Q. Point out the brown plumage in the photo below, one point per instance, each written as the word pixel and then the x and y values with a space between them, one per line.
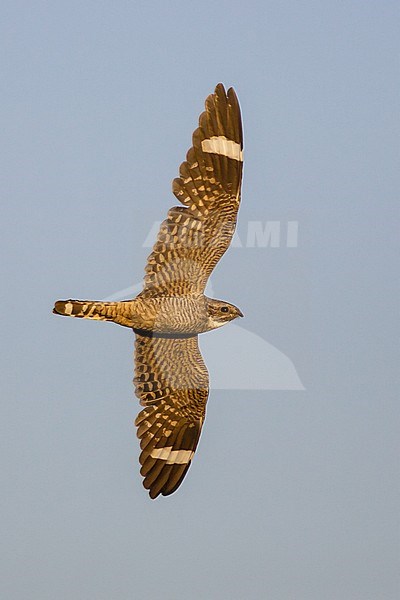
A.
pixel 171 380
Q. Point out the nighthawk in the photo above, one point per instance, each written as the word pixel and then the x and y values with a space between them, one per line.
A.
pixel 171 379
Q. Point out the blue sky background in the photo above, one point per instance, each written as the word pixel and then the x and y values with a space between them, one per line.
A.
pixel 293 495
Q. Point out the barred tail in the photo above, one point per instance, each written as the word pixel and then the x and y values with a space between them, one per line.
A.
pixel 86 309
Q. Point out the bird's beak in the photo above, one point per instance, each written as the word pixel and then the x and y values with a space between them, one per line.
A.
pixel 240 314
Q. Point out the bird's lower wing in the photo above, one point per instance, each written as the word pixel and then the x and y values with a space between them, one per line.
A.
pixel 171 381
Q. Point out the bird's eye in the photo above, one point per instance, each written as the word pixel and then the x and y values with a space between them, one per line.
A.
pixel 224 309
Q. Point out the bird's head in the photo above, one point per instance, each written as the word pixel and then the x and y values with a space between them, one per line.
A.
pixel 220 312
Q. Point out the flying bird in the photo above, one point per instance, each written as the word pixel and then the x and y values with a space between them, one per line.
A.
pixel 171 379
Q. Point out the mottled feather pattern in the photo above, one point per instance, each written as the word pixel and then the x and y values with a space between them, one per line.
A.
pixel 86 309
pixel 193 238
pixel 171 382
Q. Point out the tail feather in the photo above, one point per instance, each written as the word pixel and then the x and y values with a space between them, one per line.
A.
pixel 86 309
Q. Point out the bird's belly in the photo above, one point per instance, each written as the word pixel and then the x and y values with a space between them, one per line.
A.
pixel 176 314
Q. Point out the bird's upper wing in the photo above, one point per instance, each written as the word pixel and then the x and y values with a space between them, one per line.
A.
pixel 171 381
pixel 193 238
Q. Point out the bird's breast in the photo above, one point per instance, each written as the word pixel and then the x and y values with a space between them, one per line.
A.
pixel 170 314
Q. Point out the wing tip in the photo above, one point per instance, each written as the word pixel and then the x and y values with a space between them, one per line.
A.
pixel 226 104
pixel 166 458
pixel 170 486
pixel 229 94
